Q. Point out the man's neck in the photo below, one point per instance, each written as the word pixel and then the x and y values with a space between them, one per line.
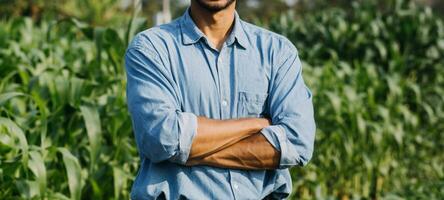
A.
pixel 215 25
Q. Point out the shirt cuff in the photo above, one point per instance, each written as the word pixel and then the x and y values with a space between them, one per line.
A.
pixel 187 131
pixel 275 134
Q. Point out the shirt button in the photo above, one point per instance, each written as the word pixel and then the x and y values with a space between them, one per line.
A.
pixel 224 103
pixel 235 186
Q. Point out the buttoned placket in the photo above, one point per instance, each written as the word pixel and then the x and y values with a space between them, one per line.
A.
pixel 223 68
pixel 235 182
pixel 222 64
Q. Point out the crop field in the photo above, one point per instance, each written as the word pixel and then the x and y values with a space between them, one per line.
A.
pixel 377 76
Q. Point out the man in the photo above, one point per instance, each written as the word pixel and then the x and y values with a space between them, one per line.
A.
pixel 219 108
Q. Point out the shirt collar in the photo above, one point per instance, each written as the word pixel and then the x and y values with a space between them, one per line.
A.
pixel 191 33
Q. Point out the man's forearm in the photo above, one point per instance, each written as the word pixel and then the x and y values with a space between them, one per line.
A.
pixel 214 135
pixel 253 152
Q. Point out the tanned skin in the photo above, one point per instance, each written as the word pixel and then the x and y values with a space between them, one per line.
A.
pixel 233 143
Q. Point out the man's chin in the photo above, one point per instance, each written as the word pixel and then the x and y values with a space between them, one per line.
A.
pixel 214 6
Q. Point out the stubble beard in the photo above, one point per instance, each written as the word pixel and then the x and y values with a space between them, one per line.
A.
pixel 214 8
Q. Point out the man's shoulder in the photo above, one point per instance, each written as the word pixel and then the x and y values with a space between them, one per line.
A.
pixel 156 36
pixel 270 42
pixel 274 39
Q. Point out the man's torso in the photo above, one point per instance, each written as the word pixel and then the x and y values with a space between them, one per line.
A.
pixel 232 83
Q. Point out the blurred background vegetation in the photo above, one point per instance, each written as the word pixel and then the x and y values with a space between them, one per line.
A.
pixel 376 69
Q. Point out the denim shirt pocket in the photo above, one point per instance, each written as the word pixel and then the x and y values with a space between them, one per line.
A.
pixel 252 104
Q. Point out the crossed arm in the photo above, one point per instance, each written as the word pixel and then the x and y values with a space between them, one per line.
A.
pixel 235 143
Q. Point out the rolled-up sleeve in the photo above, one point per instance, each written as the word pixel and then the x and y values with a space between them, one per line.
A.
pixel 162 130
pixel 291 110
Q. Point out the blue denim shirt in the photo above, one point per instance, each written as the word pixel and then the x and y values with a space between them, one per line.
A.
pixel 175 74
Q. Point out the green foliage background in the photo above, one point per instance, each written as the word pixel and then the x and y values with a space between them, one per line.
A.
pixel 377 74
